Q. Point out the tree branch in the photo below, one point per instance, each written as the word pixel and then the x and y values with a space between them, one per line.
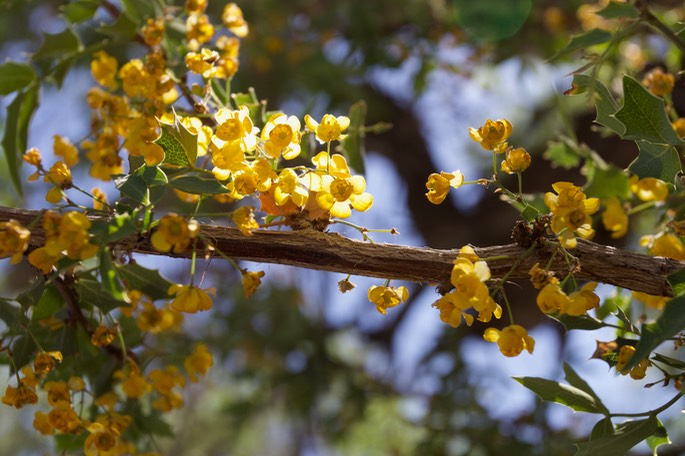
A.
pixel 332 252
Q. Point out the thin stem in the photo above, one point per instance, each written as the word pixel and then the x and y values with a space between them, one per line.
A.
pixel 655 22
pixel 654 412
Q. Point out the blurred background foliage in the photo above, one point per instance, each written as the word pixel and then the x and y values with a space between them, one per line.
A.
pixel 290 377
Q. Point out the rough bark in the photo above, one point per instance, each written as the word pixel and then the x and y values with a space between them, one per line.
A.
pixel 333 252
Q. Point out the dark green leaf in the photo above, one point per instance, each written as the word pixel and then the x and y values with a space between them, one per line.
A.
pixel 611 303
pixel 70 443
pixel 50 302
pixel 625 319
pixel 644 115
pixel 14 142
pixel 567 395
pixel 108 275
pixel 23 350
pixel 139 10
pixel 92 294
pixel 670 322
pixel 57 45
pixel 493 20
pixel 9 313
pixel 584 40
pixel 30 296
pixel 80 10
pixel 133 186
pixel 625 437
pixel 152 175
pixel 574 380
pixel 667 360
pixel 198 185
pixel 179 144
pixel 660 161
pixel 149 281
pixel 677 281
pixel 607 182
pixel 15 76
pixel 562 153
pixel 530 213
pixel 123 27
pixel 353 145
pixel 604 102
pixel 660 437
pixel 618 10
pixel 583 322
pixel 118 227
pixel 603 428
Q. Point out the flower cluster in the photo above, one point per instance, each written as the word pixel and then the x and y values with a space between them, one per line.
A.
pixel 571 210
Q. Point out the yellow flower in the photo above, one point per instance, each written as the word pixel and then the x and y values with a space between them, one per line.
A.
pixel 387 297
pixel 164 380
pixel 42 424
pixel 57 392
pixel 289 188
pixel 198 362
pixel 237 126
pixel 202 63
pixel 251 281
pixel 45 361
pixel 552 299
pixel 512 340
pixel 679 126
pixel 614 217
pixel 624 356
pixel 329 129
pixel 14 240
pixel 60 176
pixel 438 185
pixel 516 161
pixel 666 245
pixel 101 440
pixel 153 31
pixel 452 310
pixel 540 277
pixel 76 383
pixel 571 211
pixel 339 195
pixel 658 82
pixel 133 384
pixel 195 6
pixel 155 321
pixel 198 30
pixel 33 157
pixel 103 336
pixel 20 396
pixel 65 149
pixel 174 232
pixel 99 198
pixel 63 418
pixel 334 165
pixel 282 136
pixel 243 217
pixel 191 299
pixel 232 17
pixel 104 69
pixel 649 188
pixel 492 135
pixel 655 302
pixel 582 300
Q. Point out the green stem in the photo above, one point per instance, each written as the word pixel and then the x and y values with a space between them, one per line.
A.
pixel 642 207
pixel 654 412
pixel 655 22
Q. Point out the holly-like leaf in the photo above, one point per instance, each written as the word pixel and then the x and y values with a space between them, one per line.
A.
pixel 644 115
pixel 660 161
pixel 57 45
pixel 198 185
pixel 353 145
pixel 570 396
pixel 584 40
pixel 625 436
pixel 576 381
pixel 92 293
pixel 179 144
pixel 133 186
pixel 80 10
pixel 605 103
pixel 672 362
pixel 124 27
pixel 660 437
pixel 149 281
pixel 670 322
pixel 15 76
pixel 618 10
pixel 15 139
pixel 582 322
pixel 602 428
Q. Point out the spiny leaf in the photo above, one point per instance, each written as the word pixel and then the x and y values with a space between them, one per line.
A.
pixel 179 144
pixel 660 437
pixel 625 437
pixel 644 115
pixel 584 40
pixel 57 45
pixel 80 10
pixel 14 142
pixel 92 293
pixel 15 76
pixel 198 185
pixel 604 102
pixel 567 395
pixel 149 281
pixel 660 161
pixel 576 381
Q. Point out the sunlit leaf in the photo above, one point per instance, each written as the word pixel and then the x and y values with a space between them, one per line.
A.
pixel 15 76
pixel 198 185
pixel 179 144
pixel 570 396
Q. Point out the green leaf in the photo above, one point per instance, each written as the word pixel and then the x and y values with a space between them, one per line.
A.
pixel 256 107
pixel 30 296
pixel 660 161
pixel 179 144
pixel 672 362
pixel 584 40
pixel 644 115
pixel 15 76
pixel 677 281
pixel 660 437
pixel 15 140
pixel 92 293
pixel 118 227
pixel 50 302
pixel 139 10
pixel 625 437
pixel 562 153
pixel 570 396
pixel 133 186
pixel 602 428
pixel 70 443
pixel 576 381
pixel 108 276
pixel 80 10
pixel 9 313
pixel 23 350
pixel 582 322
pixel 152 175
pixel 618 10
pixel 353 145
pixel 607 181
pixel 198 185
pixel 623 318
pixel 605 104
pixel 149 281
pixel 670 322
pixel 493 20
pixel 530 213
pixel 123 27
pixel 57 45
